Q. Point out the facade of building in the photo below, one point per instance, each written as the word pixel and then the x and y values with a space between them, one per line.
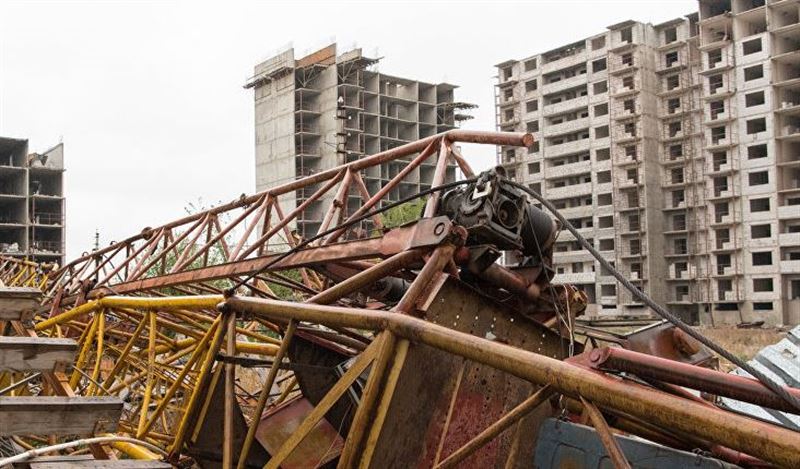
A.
pixel 675 148
pixel 31 202
pixel 326 109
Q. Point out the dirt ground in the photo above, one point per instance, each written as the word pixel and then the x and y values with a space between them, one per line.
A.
pixel 744 343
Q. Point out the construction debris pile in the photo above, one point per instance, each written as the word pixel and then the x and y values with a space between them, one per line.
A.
pixel 224 339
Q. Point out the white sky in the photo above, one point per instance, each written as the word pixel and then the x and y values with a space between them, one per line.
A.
pixel 148 100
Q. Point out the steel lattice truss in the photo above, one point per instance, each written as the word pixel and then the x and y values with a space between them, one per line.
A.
pixel 381 346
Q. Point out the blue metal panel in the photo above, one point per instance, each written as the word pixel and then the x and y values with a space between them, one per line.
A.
pixel 569 445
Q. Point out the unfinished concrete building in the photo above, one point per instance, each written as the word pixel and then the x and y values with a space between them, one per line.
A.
pixel 327 109
pixel 674 147
pixel 31 202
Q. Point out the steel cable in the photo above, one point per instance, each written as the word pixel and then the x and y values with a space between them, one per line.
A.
pixel 660 310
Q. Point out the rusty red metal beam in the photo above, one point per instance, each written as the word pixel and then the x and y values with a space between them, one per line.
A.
pixel 694 377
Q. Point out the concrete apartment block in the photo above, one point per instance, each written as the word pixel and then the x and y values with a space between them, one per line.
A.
pixel 675 148
pixel 328 109
pixel 31 202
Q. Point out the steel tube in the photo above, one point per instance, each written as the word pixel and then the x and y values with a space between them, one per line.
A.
pixel 606 436
pixel 768 442
pixel 694 377
pixel 367 277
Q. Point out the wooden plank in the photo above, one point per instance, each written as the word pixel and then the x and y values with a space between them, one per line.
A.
pixel 57 415
pixel 35 353
pixel 96 464
pixel 18 304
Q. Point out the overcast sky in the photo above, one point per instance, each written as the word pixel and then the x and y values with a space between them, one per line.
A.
pixel 148 100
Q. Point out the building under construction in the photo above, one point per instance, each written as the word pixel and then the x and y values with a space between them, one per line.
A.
pixel 330 108
pixel 31 202
pixel 674 148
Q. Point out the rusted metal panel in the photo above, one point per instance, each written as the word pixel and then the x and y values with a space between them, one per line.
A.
pixel 417 420
pixel 664 340
pixel 321 446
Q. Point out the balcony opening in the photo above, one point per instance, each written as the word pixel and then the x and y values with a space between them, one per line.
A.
pixel 721 210
pixel 715 82
pixel 676 176
pixel 718 159
pixel 633 176
pixel 714 57
pixel 675 151
pixel 629 106
pixel 712 9
pixel 723 237
pixel 670 59
pixel 678 197
pixel 598 43
pixel 631 153
pixel 630 129
pixel 628 83
pixel 679 222
pixel 633 199
pixel 718 134
pixel 680 246
pixel 673 105
pixel 674 128
pixel 716 108
pixel 626 35
pixel 633 223
pixel 720 185
pixel 670 35
pixel 673 81
pixel 627 60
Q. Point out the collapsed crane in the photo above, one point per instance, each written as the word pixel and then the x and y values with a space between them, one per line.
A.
pixel 224 339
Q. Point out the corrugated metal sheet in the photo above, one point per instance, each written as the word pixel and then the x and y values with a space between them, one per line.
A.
pixel 781 362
